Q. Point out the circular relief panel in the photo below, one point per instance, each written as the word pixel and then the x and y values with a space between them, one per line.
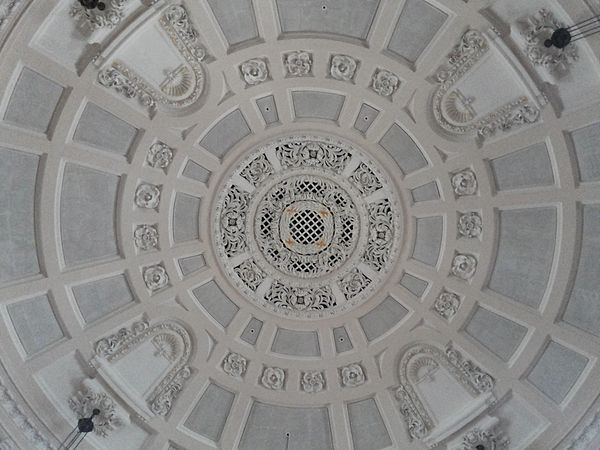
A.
pixel 307 226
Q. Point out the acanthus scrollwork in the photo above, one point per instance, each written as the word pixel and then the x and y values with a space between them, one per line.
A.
pixel 300 299
pixel 95 19
pixel 86 400
pixel 476 439
pixel 536 29
pixel 381 235
pixel 468 374
pixel 456 113
pixel 171 341
pixel 309 221
pixel 182 86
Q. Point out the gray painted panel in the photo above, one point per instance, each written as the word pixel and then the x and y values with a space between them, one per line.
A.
pixel 18 177
pixel 88 214
pixel 216 303
pixel 230 130
pixel 33 101
pixel 403 149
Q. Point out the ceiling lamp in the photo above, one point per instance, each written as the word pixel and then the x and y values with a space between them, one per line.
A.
pixel 84 425
pixel 563 36
pixel 93 4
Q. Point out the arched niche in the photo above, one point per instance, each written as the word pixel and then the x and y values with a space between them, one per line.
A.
pixel 161 63
pixel 480 63
pixel 440 392
pixel 162 349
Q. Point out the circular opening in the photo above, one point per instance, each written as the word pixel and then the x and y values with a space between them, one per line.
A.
pixel 324 8
pixel 267 109
pixel 252 330
pixel 366 118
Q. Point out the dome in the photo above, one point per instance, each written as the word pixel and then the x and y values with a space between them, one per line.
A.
pixel 302 225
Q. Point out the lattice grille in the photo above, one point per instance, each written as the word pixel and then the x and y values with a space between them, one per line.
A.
pixel 307 227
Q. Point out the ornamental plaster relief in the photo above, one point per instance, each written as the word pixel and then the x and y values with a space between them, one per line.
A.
pixel 458 112
pixel 169 81
pixel 166 348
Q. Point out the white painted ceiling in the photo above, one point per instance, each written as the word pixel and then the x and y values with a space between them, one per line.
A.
pixel 134 158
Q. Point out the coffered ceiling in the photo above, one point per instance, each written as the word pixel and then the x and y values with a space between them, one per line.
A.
pixel 277 224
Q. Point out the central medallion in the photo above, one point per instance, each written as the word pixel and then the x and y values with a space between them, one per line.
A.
pixel 307 226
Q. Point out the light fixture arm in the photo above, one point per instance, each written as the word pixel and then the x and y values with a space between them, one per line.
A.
pixel 77 435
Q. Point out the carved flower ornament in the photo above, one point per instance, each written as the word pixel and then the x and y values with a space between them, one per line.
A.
pixel 235 365
pixel 312 382
pixel 254 71
pixel 343 67
pixel 145 237
pixel 385 83
pixel 298 64
pixel 352 375
pixel 273 378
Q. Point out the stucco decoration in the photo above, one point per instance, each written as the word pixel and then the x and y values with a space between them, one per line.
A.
pixel 91 396
pixel 535 30
pixel 181 86
pixel 459 113
pixel 95 19
pixel 312 381
pixel 167 340
pixel 470 377
pixel 254 71
pixel 343 67
pixel 313 227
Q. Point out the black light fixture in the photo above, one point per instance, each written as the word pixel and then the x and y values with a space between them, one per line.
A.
pixel 564 36
pixel 93 4
pixel 77 435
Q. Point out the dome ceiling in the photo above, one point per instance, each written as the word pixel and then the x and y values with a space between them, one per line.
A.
pixel 277 224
